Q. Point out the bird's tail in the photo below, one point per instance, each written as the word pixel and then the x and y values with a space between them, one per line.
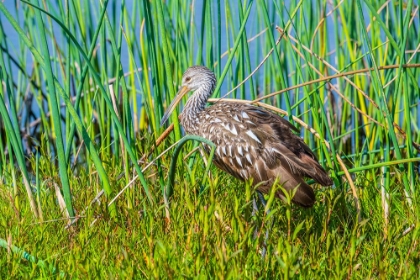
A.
pixel 319 174
pixel 303 194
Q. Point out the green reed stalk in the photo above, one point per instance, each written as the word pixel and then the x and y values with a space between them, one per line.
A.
pixel 207 28
pixel 109 106
pixel 125 116
pixel 6 79
pixel 233 50
pixel 379 89
pixel 13 138
pixel 403 86
pixel 272 44
pixel 76 119
pixel 167 67
pixel 172 169
pixel 83 77
pixel 56 116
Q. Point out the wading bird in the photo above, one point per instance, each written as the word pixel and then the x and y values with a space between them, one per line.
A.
pixel 251 143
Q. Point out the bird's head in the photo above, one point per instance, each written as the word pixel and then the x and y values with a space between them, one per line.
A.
pixel 197 77
pixel 194 79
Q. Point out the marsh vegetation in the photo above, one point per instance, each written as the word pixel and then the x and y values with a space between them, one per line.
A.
pixel 84 85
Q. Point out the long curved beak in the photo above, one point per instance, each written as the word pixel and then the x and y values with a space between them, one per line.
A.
pixel 184 90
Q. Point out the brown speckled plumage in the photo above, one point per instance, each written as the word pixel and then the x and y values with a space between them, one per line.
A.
pixel 252 143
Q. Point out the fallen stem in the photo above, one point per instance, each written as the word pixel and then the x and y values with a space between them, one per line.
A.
pixel 168 190
pixel 24 255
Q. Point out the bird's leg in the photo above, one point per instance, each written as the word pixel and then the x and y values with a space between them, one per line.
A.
pixel 264 203
pixel 262 199
pixel 254 211
pixel 255 205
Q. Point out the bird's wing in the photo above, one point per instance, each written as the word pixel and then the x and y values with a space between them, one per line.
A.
pixel 246 134
pixel 246 151
pixel 254 143
pixel 290 147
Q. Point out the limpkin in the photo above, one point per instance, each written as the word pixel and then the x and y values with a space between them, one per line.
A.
pixel 251 142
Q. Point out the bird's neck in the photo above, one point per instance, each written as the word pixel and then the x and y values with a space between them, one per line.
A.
pixel 194 106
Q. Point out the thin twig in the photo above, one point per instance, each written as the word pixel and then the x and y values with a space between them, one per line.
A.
pixel 339 75
pixel 256 68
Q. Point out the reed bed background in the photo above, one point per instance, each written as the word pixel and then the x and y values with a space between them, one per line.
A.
pixel 85 83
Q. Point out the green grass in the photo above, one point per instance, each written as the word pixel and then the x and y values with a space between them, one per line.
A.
pixel 211 234
pixel 84 88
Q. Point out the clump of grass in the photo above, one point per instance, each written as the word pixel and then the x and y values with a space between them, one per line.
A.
pixel 84 86
pixel 211 233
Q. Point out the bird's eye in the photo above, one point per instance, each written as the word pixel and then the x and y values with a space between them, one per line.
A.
pixel 187 79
